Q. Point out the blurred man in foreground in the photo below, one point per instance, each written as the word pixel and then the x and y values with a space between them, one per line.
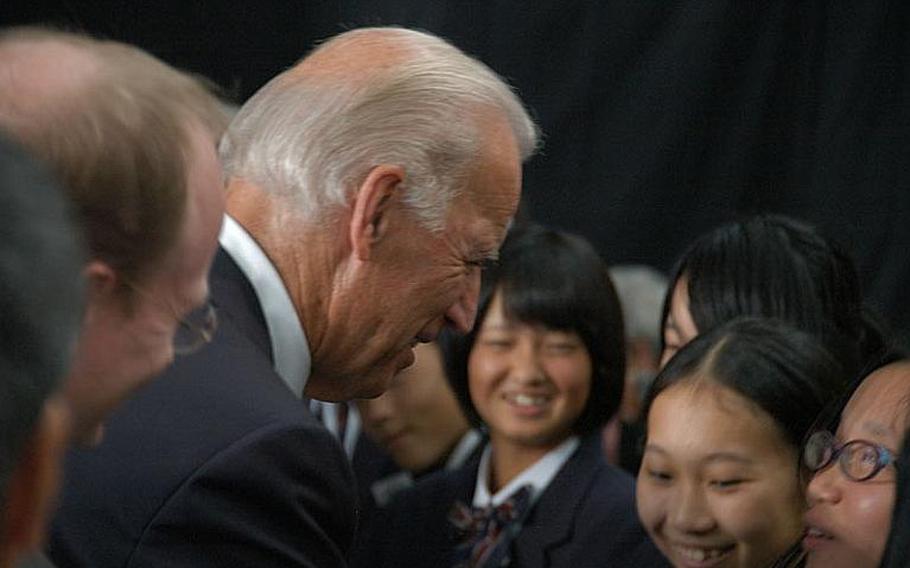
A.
pixel 133 142
pixel 40 307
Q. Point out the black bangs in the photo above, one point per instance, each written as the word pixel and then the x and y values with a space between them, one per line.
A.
pixel 786 372
pixel 549 288
pixel 778 267
pixel 555 280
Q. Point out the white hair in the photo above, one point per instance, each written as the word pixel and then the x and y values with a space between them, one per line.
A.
pixel 314 139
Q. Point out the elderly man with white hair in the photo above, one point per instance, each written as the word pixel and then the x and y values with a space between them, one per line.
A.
pixel 367 186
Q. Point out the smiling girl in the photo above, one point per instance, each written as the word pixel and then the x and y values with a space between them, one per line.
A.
pixel 541 372
pixel 854 464
pixel 719 485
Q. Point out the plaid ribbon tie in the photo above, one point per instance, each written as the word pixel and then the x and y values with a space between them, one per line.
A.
pixel 485 533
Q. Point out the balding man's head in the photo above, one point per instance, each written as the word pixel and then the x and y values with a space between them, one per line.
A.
pixel 367 97
pixel 47 73
pixel 113 122
pixel 133 142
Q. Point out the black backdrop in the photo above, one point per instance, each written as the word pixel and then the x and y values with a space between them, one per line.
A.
pixel 662 119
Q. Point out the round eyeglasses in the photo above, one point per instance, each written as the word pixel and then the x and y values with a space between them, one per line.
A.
pixel 859 460
pixel 195 329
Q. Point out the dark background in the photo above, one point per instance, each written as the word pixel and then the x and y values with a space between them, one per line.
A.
pixel 662 119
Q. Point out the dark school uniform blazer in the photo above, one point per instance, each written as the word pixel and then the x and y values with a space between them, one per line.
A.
pixel 214 464
pixel 586 517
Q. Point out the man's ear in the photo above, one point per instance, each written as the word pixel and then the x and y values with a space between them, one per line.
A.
pixel 100 279
pixel 101 286
pixel 31 493
pixel 374 197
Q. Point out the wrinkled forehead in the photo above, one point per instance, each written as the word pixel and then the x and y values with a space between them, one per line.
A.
pixel 481 221
pixel 881 404
pixel 494 189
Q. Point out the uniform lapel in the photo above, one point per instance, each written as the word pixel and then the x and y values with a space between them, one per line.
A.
pixel 551 521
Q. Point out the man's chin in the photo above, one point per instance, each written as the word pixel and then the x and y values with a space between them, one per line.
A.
pixel 370 382
pixel 339 389
pixel 374 386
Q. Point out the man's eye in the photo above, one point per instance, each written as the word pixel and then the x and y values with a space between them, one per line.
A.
pixel 482 264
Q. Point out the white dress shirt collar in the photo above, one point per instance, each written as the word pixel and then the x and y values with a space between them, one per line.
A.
pixel 290 350
pixel 538 475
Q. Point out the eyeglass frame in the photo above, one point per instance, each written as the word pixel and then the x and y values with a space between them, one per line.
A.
pixel 202 335
pixel 883 456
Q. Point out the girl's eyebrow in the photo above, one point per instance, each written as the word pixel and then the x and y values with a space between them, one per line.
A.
pixel 728 456
pixel 655 448
pixel 713 457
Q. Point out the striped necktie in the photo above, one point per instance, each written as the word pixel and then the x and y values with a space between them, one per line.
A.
pixel 485 534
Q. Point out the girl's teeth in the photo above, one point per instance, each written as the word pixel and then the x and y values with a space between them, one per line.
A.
pixel 526 400
pixel 700 554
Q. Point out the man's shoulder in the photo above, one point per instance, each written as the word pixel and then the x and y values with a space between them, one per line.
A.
pixel 208 419
pixel 226 395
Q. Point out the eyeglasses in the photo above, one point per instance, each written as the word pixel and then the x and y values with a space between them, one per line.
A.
pixel 194 330
pixel 859 460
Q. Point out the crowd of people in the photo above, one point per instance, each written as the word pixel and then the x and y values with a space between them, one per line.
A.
pixel 314 334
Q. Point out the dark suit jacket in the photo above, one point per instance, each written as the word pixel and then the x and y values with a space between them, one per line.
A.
pixel 215 463
pixel 586 517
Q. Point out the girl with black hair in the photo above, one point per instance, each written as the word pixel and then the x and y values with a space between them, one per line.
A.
pixel 897 549
pixel 778 267
pixel 855 467
pixel 541 372
pixel 719 483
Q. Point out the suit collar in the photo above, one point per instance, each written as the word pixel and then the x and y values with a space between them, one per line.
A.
pixel 538 476
pixel 288 344
pixel 236 303
pixel 550 522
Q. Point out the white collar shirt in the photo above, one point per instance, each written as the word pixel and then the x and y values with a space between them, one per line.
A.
pixel 290 350
pixel 538 475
